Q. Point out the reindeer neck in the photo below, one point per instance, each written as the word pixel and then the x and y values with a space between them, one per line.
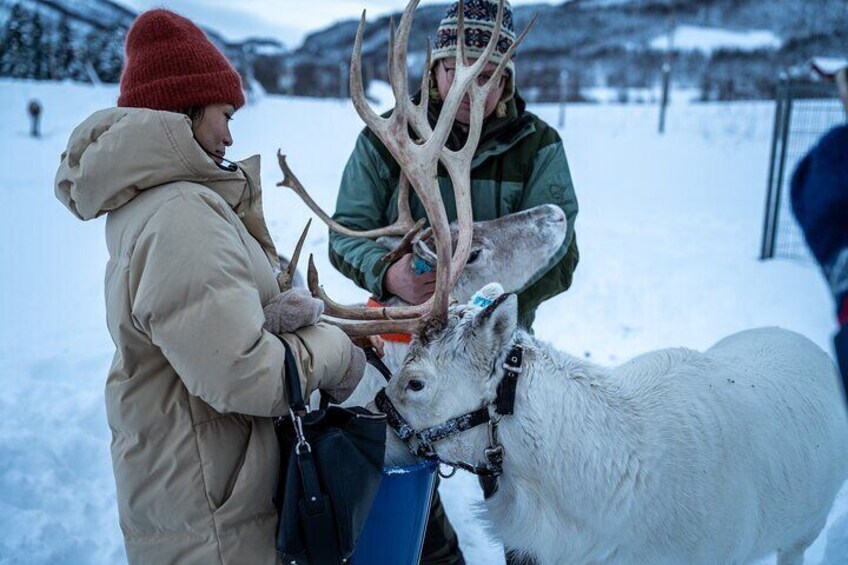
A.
pixel 569 414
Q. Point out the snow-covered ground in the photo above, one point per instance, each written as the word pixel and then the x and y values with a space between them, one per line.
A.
pixel 669 235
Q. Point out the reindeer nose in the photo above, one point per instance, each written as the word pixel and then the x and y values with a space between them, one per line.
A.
pixel 557 216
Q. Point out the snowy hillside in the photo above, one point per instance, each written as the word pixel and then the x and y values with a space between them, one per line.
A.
pixel 743 44
pixel 668 230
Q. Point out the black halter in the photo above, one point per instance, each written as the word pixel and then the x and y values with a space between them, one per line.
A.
pixel 420 442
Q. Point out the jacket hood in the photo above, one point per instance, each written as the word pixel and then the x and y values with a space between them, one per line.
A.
pixel 118 152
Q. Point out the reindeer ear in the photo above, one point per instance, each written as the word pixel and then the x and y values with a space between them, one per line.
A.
pixel 499 320
pixel 486 295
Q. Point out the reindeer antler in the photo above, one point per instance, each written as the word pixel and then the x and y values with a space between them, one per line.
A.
pixel 402 226
pixel 418 158
pixel 285 279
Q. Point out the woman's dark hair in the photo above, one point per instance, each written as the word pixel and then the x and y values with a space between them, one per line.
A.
pixel 193 113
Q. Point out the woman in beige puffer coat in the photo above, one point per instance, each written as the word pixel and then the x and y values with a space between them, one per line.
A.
pixel 195 380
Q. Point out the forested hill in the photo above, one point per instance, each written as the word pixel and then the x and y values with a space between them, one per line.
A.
pixel 728 49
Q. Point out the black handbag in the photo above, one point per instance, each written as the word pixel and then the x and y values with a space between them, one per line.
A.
pixel 331 463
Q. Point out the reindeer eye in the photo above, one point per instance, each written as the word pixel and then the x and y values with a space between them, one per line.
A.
pixel 474 255
pixel 415 385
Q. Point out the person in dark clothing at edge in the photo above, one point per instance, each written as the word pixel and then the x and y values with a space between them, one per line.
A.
pixel 519 163
pixel 820 202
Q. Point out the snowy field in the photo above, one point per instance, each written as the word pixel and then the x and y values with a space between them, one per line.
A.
pixel 669 233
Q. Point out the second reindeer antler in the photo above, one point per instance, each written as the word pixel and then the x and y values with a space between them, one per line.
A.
pixel 418 157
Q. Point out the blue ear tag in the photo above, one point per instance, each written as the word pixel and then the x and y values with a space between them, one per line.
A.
pixel 486 295
pixel 481 301
pixel 421 266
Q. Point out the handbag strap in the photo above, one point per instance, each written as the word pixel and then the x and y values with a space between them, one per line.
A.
pixel 293 382
pixel 317 520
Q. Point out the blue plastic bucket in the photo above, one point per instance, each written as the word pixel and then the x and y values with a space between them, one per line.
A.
pixel 394 531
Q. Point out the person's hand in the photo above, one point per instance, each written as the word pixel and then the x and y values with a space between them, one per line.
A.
pixel 292 310
pixel 402 281
pixel 350 380
pixel 374 341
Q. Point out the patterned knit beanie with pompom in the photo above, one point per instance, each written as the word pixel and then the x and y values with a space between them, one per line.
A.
pixel 479 22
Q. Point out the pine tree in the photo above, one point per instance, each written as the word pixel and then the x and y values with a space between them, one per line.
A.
pixel 93 50
pixel 112 60
pixel 39 49
pixel 106 49
pixel 68 62
pixel 16 54
pixel 63 54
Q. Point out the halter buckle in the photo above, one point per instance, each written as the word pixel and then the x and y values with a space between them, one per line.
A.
pixel 513 360
pixel 494 459
pixel 422 449
pixel 493 431
pixel 512 368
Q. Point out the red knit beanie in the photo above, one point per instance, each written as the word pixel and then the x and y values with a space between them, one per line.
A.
pixel 171 65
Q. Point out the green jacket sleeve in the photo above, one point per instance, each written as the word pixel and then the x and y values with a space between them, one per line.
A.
pixel 550 183
pixel 363 201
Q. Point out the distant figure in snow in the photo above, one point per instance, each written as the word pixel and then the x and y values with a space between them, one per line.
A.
pixel 820 202
pixel 34 109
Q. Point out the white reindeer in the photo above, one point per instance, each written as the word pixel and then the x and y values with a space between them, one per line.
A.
pixel 677 456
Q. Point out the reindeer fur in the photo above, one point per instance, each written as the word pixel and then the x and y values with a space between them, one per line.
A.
pixel 677 456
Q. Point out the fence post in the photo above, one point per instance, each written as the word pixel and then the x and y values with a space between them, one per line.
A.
pixel 769 217
pixel 666 79
pixel 777 164
pixel 784 144
pixel 666 69
pixel 563 94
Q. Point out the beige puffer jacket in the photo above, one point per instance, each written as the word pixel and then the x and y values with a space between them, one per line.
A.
pixel 195 379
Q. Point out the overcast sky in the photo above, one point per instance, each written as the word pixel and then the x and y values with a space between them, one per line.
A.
pixel 285 20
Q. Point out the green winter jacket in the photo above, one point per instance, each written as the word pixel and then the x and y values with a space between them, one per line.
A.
pixel 520 163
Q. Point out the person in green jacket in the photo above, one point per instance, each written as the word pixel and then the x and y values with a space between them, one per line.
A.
pixel 519 163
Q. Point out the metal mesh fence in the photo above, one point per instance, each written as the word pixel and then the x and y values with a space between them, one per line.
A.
pixel 803 113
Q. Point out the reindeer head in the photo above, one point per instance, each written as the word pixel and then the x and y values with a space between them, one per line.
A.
pixel 456 369
pixel 512 249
